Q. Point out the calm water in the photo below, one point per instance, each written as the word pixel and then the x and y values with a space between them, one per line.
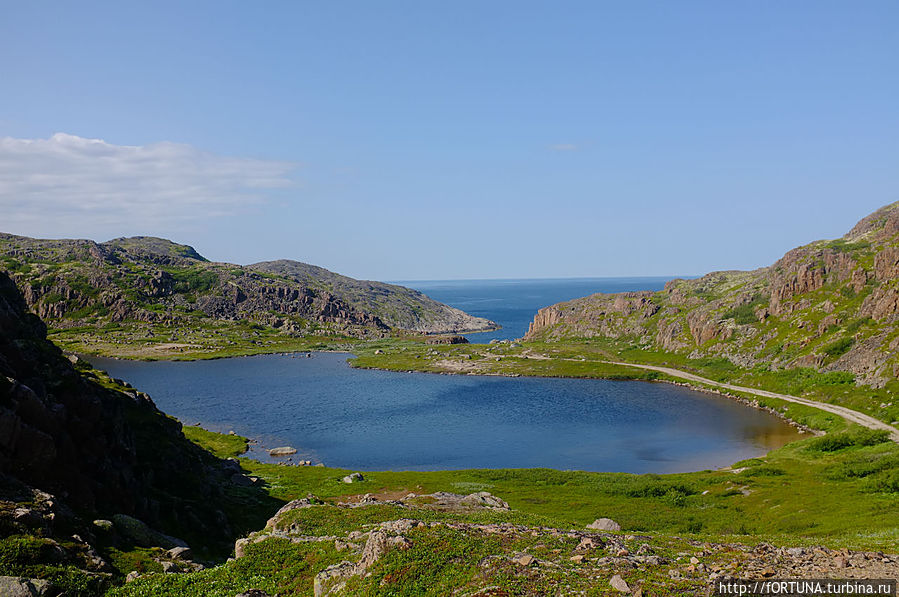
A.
pixel 513 303
pixel 376 420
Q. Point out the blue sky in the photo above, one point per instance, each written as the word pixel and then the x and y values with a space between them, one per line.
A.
pixel 425 140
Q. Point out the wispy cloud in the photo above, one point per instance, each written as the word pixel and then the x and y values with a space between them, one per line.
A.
pixel 93 185
pixel 564 147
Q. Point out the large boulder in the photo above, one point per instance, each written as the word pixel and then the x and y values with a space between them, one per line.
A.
pixel 12 586
pixel 604 524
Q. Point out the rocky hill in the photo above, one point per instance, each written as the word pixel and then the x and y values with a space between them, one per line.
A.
pixel 89 468
pixel 72 283
pixel 829 305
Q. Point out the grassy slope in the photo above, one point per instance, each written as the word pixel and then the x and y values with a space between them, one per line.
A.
pixel 848 476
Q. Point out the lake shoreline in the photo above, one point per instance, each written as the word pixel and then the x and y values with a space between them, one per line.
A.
pixel 743 436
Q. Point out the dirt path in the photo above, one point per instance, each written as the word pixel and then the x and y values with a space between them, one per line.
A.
pixel 846 413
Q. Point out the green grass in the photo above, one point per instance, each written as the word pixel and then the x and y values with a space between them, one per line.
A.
pixel 745 314
pixel 848 506
pixel 850 481
pixel 34 557
pixel 204 339
pixel 222 445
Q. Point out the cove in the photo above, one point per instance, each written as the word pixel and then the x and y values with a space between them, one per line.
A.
pixel 379 420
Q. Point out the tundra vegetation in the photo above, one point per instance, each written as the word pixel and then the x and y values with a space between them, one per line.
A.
pixel 820 324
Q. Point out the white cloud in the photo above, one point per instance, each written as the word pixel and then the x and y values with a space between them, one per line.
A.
pixel 564 147
pixel 69 185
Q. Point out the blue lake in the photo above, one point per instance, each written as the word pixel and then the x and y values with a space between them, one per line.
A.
pixel 377 420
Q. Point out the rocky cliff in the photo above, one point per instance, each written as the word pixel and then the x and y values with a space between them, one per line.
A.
pixel 831 305
pixel 76 445
pixel 72 283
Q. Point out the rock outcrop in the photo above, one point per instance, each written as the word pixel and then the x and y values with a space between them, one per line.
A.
pixel 421 543
pixel 143 279
pixel 75 443
pixel 830 305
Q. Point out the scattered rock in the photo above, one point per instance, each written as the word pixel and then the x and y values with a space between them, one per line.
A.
pixel 486 500
pixel 282 451
pixel 354 478
pixel 104 525
pixel 619 584
pixel 604 524
pixel 142 535
pixel 524 559
pixel 451 339
pixel 12 586
pixel 332 579
pixel 180 553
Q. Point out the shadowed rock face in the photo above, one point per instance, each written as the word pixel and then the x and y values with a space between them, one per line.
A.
pixel 832 305
pixel 100 447
pixel 67 282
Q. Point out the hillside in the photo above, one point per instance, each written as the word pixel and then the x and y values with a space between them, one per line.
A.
pixel 830 305
pixel 87 463
pixel 97 486
pixel 160 285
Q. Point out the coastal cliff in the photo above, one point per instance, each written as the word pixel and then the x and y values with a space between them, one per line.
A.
pixel 829 305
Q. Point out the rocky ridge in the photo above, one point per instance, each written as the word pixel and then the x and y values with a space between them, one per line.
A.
pixel 829 305
pixel 71 283
pixel 89 464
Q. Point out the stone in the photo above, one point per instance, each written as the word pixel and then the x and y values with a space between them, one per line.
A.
pixel 604 524
pixel 131 576
pixel 353 478
pixel 12 586
pixel 282 451
pixel 253 593
pixel 577 559
pixel 104 525
pixel 180 553
pixel 486 500
pixel 138 532
pixel 240 547
pixel 451 339
pixel 170 567
pixel 332 579
pixel 619 584
pixel 524 559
